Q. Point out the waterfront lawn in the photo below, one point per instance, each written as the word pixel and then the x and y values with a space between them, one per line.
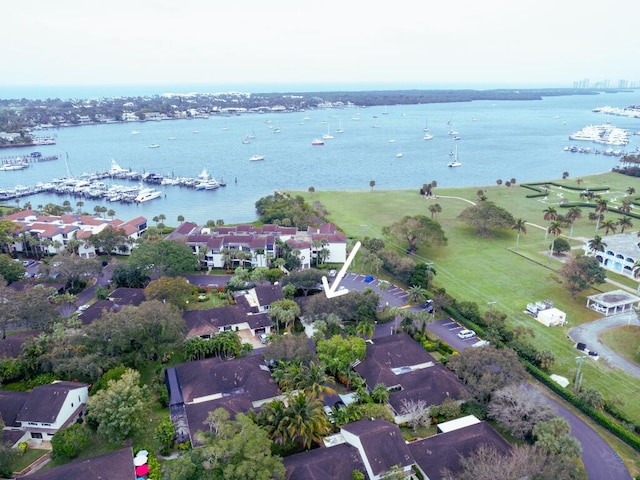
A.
pixel 484 270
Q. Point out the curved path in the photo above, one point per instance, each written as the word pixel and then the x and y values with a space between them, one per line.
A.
pixel 589 333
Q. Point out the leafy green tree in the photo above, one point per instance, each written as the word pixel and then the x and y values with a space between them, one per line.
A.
pixel 337 353
pixel 122 409
pixel 560 245
pixel 305 280
pixel 108 239
pixel 164 257
pixel 580 273
pixel 174 290
pixel 415 231
pixel 69 442
pixel 11 270
pixel 241 449
pixel 165 434
pixel 485 217
pixel 380 394
pixel 287 348
pixel 129 275
pixel 554 436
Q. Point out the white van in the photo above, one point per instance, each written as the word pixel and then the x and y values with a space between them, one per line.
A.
pixel 466 333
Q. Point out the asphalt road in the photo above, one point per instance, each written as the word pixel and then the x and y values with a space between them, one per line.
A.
pixel 600 460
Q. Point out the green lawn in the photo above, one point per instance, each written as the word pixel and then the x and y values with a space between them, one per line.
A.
pixel 485 270
pixel 624 340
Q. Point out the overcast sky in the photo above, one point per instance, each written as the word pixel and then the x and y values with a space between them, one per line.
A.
pixel 417 43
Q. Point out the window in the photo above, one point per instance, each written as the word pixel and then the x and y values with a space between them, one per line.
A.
pixel 36 435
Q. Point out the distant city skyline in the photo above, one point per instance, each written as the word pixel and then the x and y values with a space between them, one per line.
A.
pixel 463 44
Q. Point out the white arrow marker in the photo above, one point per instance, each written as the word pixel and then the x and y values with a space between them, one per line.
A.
pixel 332 291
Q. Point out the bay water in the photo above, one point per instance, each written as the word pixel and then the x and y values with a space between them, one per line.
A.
pixel 498 140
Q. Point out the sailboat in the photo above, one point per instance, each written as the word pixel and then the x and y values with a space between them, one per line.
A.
pixel 327 136
pixel 339 129
pixel 454 162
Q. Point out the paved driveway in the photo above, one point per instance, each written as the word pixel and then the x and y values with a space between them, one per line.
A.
pixel 589 333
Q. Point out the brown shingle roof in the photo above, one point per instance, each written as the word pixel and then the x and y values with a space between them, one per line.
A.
pixel 445 449
pixel 45 401
pixel 383 444
pixel 335 463
pixel 211 376
pixel 116 465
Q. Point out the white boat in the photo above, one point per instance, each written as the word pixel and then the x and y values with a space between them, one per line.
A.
pixel 339 129
pixel 135 132
pixel 427 136
pixel 256 158
pixel 8 167
pixel 399 155
pixel 327 136
pixel 317 142
pixel 154 145
pixel 147 194
pixel 454 162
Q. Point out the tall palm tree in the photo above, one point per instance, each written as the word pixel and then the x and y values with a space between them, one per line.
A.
pixel 555 230
pixel 624 223
pixel 601 207
pixel 596 244
pixel 626 206
pixel 574 213
pixel 520 226
pixel 631 191
pixel 550 215
pixel 609 227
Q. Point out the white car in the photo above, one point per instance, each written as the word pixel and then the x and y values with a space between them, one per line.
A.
pixel 466 333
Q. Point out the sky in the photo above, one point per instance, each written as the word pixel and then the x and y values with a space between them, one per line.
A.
pixel 418 44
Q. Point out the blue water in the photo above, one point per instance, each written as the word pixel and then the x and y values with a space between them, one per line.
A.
pixel 500 140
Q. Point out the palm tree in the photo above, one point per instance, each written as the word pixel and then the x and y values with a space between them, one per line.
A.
pixel 574 213
pixel 631 191
pixel 111 213
pixel 415 294
pixel 180 218
pixel 609 226
pixel 550 215
pixel 366 328
pixel 625 207
pixel 596 244
pixel 520 226
pixel 305 420
pixel 624 223
pixel 555 230
pixel 80 205
pixel 601 207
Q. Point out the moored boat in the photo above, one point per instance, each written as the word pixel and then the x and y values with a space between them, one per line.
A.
pixel 317 142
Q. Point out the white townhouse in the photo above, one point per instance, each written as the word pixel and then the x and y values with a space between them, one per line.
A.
pixel 48 234
pixel 38 415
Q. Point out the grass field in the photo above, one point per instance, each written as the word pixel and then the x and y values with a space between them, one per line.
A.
pixel 490 271
pixel 624 340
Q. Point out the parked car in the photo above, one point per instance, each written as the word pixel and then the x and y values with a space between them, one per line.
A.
pixel 428 306
pixel 369 278
pixel 466 333
pixel 263 338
